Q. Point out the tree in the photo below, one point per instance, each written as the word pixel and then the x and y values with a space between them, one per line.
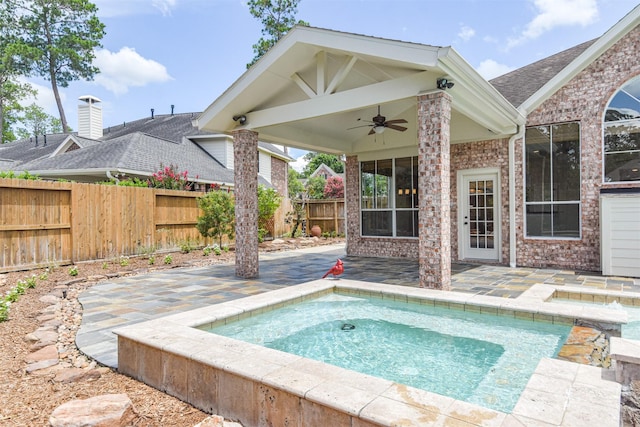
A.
pixel 58 37
pixel 36 122
pixel 295 188
pixel 11 90
pixel 334 188
pixel 277 17
pixel 316 159
pixel 218 218
pixel 268 202
pixel 296 192
pixel 315 187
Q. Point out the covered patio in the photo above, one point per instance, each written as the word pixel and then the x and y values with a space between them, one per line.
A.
pixel 385 105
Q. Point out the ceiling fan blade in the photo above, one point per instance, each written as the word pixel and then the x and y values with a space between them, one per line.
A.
pixel 396 121
pixel 372 131
pixel 361 126
pixel 396 127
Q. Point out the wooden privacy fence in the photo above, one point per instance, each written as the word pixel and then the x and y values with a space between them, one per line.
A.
pixel 44 223
pixel 327 214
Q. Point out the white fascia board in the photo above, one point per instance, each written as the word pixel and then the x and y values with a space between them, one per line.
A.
pixel 472 91
pixel 274 154
pixel 608 39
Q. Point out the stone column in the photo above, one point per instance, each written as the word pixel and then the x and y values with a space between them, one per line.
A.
pixel 352 203
pixel 245 158
pixel 434 232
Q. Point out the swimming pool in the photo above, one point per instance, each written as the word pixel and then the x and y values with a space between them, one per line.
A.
pixel 479 358
pixel 630 330
pixel 257 385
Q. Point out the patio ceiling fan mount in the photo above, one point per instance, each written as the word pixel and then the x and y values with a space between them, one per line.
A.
pixel 379 123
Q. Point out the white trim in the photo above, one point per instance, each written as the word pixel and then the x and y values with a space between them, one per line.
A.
pixel 513 241
pixel 497 206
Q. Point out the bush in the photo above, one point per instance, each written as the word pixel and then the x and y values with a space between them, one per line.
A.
pixel 218 215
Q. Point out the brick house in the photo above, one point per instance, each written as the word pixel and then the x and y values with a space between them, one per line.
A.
pixel 536 168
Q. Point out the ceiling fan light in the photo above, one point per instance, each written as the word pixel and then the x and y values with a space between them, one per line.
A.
pixel 378 129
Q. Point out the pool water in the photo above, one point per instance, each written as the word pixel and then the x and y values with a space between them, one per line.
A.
pixel 630 330
pixel 479 358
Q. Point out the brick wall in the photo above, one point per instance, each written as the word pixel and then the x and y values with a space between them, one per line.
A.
pixel 484 154
pixel 279 175
pixel 583 99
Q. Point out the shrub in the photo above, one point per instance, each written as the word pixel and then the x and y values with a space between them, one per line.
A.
pixel 124 261
pixel 152 259
pixel 186 246
pixel 170 178
pixel 218 215
pixel 168 259
pixel 73 271
pixel 206 251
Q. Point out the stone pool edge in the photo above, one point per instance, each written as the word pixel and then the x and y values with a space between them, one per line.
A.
pixel 261 386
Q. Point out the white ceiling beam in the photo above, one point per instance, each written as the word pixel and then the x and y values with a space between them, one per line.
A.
pixel 378 93
pixel 321 69
pixel 303 85
pixel 341 74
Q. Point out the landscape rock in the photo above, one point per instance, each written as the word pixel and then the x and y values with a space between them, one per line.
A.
pixel 278 242
pixel 211 421
pixel 108 410
pixel 45 353
pixel 73 375
pixel 49 299
pixel 43 364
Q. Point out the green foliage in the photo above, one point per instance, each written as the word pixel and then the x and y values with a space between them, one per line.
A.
pixel 316 159
pixel 268 203
pixel 168 259
pixel 58 39
pixel 152 259
pixel 277 18
pixel 218 215
pixel 295 188
pixel 262 233
pixel 36 122
pixel 124 261
pixel 206 251
pixel 21 175
pixel 186 246
pixel 105 265
pixel 128 182
pixel 315 187
pixel 73 271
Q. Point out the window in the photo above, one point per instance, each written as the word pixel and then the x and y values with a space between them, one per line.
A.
pixel 552 168
pixel 389 197
pixel 622 135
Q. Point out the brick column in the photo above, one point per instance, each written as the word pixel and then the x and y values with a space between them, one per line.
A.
pixel 434 232
pixel 245 158
pixel 352 202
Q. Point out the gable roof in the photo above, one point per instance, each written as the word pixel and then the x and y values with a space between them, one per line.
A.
pixel 582 60
pixel 312 88
pixel 518 85
pixel 136 148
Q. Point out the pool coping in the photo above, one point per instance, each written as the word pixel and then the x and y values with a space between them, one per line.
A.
pixel 623 351
pixel 171 354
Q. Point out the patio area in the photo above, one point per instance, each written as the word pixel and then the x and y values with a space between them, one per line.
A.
pixel 126 301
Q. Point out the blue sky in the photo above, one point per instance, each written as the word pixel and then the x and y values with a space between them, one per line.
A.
pixel 187 52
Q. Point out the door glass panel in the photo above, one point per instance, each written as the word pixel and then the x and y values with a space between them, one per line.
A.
pixel 481 215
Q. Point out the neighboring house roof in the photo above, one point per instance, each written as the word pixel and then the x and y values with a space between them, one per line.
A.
pixel 136 148
pixel 327 168
pixel 518 85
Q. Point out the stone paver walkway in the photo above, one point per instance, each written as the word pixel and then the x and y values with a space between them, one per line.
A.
pixel 124 301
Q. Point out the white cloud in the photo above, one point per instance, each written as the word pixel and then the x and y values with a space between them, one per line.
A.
pixel 557 13
pixel 44 98
pixel 466 33
pixel 299 164
pixel 111 8
pixel 490 69
pixel 127 68
pixel 164 6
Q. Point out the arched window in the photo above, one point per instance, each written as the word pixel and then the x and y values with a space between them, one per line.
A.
pixel 622 134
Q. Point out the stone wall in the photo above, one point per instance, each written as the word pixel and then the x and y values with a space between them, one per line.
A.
pixel 583 99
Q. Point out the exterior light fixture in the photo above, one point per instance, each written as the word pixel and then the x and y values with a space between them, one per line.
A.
pixel 443 83
pixel 240 118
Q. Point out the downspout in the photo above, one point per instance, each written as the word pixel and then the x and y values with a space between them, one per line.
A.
pixel 512 196
pixel 111 177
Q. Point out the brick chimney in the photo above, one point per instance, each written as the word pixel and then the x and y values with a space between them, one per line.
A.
pixel 89 117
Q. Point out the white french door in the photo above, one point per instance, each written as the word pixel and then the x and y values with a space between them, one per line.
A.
pixel 479 214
